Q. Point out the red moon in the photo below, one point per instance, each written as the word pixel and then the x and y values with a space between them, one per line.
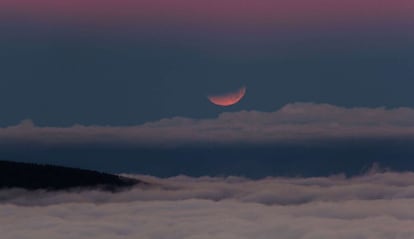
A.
pixel 229 98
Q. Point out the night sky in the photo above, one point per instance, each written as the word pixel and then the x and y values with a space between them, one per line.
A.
pixel 130 62
pixel 134 76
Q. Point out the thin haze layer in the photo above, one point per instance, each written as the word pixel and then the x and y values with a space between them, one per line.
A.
pixel 229 13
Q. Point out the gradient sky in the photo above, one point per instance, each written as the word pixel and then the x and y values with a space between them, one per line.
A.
pixel 129 62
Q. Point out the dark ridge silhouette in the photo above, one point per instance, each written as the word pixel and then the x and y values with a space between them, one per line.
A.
pixel 34 176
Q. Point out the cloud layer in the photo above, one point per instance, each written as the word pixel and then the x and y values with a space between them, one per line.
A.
pixel 293 123
pixel 376 205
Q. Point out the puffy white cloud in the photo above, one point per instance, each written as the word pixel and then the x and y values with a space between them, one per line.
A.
pixel 292 123
pixel 377 205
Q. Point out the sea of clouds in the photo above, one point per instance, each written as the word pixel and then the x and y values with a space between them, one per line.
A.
pixel 375 206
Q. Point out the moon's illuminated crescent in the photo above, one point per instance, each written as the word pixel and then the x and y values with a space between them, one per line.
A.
pixel 229 98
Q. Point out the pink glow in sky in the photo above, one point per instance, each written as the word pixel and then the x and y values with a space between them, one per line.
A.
pixel 215 12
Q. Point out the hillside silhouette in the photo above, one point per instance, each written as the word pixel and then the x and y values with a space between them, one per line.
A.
pixel 49 177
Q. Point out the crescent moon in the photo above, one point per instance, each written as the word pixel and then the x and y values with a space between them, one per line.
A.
pixel 228 98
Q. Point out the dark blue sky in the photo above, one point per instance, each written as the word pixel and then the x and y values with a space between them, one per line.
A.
pixel 66 75
pixel 126 63
pixel 97 65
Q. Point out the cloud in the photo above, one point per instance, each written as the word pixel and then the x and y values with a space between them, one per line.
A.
pixel 293 123
pixel 376 205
